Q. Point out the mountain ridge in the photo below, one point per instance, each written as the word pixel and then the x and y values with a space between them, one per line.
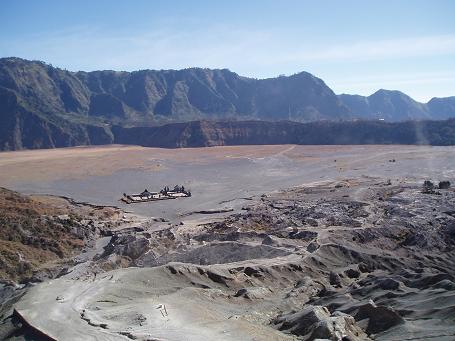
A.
pixel 153 97
pixel 42 106
pixel 391 105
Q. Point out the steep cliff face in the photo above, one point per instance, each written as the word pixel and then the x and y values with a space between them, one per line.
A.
pixel 22 129
pixel 150 97
pixel 221 133
pixel 210 133
pixel 31 132
pixel 45 107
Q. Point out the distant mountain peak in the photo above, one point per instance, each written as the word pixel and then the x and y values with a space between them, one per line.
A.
pixel 385 92
pixel 35 96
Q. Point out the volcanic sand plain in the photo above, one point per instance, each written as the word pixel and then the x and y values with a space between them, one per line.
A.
pixel 310 227
pixel 218 177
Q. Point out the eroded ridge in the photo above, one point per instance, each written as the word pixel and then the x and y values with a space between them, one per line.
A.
pixel 360 259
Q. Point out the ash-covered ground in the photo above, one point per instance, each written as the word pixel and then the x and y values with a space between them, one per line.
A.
pixel 277 243
pixel 359 258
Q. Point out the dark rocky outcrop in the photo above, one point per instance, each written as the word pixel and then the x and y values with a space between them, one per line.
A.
pixel 379 318
pixel 220 133
pixel 316 322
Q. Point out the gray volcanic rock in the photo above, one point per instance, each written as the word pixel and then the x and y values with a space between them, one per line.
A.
pixel 253 293
pixel 223 279
pixel 218 253
pixel 315 322
pixel 127 246
pixel 352 273
pixel 379 318
pixel 334 279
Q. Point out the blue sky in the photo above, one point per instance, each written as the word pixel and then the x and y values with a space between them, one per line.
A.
pixel 354 46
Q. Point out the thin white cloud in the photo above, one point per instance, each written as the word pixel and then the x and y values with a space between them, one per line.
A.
pixel 399 79
pixel 240 50
pixel 380 49
pixel 256 53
